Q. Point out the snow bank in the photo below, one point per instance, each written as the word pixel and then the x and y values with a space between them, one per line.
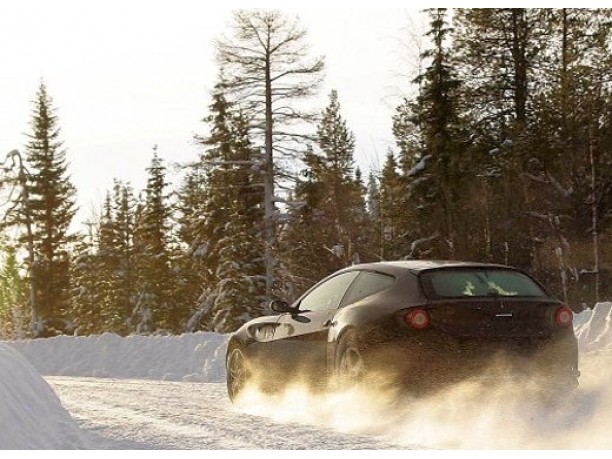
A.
pixel 593 328
pixel 196 357
pixel 31 415
pixel 200 357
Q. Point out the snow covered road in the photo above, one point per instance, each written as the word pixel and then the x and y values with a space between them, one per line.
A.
pixel 167 392
pixel 138 414
pixel 149 414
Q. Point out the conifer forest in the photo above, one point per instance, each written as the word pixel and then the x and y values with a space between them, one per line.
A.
pixel 503 153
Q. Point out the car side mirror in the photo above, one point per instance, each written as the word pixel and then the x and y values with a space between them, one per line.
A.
pixel 280 306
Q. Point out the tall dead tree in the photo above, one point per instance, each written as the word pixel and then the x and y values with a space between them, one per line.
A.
pixel 267 70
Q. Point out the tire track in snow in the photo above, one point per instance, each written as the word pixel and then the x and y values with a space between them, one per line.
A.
pixel 142 414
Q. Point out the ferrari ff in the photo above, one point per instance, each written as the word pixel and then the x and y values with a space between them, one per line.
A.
pixel 412 324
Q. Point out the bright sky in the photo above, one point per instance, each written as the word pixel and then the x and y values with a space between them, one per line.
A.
pixel 125 76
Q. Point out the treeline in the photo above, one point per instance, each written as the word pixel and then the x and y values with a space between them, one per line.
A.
pixel 503 154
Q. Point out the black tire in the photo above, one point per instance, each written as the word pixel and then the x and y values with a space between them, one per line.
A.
pixel 237 373
pixel 350 363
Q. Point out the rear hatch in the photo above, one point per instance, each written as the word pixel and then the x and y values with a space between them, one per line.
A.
pixel 496 303
pixel 494 320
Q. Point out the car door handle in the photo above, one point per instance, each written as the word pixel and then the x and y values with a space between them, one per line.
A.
pixel 330 323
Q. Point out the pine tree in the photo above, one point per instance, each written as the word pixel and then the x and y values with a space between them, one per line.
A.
pixel 154 308
pixel 225 234
pixel 373 198
pixel 15 315
pixel 118 257
pixel 239 293
pixel 209 188
pixel 52 207
pixel 343 201
pixel 394 226
pixel 433 149
pixel 333 202
pixel 506 47
pixel 192 261
pixel 103 278
pixel 569 146
pixel 203 206
pixel 107 260
pixel 88 287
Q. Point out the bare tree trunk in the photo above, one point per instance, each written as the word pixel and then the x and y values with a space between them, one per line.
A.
pixel 520 65
pixel 30 242
pixel 267 60
pixel 269 187
pixel 562 271
pixel 594 217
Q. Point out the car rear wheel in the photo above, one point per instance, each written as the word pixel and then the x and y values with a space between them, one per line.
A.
pixel 350 362
pixel 238 373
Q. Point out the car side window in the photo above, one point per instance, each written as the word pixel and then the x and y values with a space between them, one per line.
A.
pixel 368 283
pixel 329 294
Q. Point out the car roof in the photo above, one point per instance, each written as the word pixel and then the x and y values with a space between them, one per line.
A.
pixel 417 266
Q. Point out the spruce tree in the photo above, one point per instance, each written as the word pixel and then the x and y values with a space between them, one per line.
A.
pixel 226 233
pixel 534 84
pixel 394 227
pixel 506 47
pixel 118 257
pixel 373 197
pixel 569 169
pixel 107 260
pixel 88 286
pixel 103 279
pixel 153 308
pixel 433 148
pixel 15 315
pixel 52 207
pixel 333 201
pixel 239 293
pixel 208 188
pixel 194 275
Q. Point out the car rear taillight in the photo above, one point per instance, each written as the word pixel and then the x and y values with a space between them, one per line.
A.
pixel 564 316
pixel 418 319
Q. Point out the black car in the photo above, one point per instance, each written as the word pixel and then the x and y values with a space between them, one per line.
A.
pixel 417 324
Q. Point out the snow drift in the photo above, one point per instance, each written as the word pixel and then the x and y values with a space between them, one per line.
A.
pixel 593 328
pixel 194 357
pixel 31 415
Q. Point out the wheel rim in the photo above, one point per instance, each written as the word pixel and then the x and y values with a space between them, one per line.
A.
pixel 351 365
pixel 237 373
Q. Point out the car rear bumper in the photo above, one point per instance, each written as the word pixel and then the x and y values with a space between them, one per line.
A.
pixel 442 362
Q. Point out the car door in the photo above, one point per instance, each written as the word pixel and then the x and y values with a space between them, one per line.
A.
pixel 300 338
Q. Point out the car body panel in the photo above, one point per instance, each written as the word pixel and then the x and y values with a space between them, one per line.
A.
pixel 301 343
pixel 465 337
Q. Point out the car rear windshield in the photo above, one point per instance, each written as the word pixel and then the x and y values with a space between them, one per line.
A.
pixel 462 283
